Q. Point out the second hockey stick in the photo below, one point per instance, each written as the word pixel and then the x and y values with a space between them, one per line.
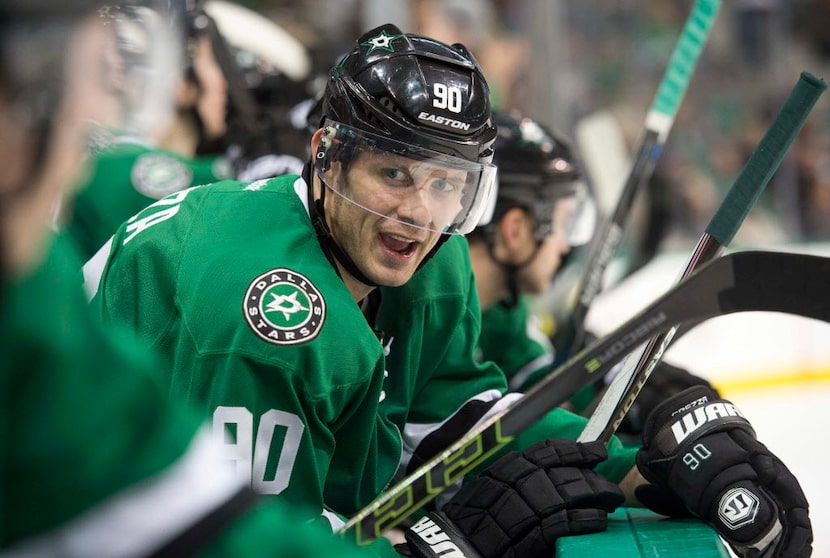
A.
pixel 658 124
pixel 754 177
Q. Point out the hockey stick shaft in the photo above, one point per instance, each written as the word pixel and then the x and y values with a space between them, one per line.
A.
pixel 751 182
pixel 793 283
pixel 658 124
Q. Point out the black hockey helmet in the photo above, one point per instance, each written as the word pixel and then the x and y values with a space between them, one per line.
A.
pixel 422 100
pixel 537 167
pixel 416 90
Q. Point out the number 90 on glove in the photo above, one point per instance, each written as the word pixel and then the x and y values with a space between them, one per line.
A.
pixel 702 457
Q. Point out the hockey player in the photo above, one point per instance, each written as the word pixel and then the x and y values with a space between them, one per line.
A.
pixel 326 322
pixel 543 209
pixel 132 171
pixel 96 461
pixel 274 69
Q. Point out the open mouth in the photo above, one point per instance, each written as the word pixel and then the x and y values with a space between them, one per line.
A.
pixel 398 245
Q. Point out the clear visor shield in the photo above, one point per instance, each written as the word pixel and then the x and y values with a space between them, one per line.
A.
pixel 142 64
pixel 150 47
pixel 89 74
pixel 403 182
pixel 113 68
pixel 574 215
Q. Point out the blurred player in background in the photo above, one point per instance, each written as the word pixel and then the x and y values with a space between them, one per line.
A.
pixel 267 133
pixel 543 209
pixel 96 461
pixel 131 171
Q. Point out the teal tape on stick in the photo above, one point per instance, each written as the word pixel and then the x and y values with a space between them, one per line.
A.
pixel 764 161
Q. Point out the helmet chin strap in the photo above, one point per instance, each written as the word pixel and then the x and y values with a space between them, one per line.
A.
pixel 330 247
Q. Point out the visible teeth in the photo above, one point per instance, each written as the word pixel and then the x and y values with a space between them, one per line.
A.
pixel 400 238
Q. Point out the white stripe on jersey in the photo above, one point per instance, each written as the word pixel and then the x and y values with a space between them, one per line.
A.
pixel 94 268
pixel 142 518
pixel 414 434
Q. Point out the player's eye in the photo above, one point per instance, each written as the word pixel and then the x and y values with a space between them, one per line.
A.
pixel 395 176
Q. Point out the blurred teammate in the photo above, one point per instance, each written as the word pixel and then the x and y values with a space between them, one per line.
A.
pixel 543 209
pixel 96 461
pixel 131 171
pixel 267 133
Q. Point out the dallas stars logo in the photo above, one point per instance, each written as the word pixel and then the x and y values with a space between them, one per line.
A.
pixel 157 175
pixel 287 304
pixel 284 308
pixel 382 41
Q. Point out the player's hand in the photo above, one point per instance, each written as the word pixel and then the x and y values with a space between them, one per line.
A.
pixel 522 503
pixel 701 453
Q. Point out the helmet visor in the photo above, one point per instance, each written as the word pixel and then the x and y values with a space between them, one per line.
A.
pixel 580 216
pixel 568 210
pixel 146 64
pixel 403 182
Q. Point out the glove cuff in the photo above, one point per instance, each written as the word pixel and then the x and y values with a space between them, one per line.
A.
pixel 435 535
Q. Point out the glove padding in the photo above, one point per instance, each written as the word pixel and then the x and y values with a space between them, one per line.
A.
pixel 702 457
pixel 522 503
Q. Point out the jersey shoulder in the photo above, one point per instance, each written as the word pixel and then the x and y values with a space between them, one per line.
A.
pixel 243 264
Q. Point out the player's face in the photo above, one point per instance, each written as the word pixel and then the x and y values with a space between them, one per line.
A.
pixel 400 191
pixel 107 78
pixel 536 277
pixel 213 97
pixel 86 99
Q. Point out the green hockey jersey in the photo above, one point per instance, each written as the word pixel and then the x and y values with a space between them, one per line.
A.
pixel 312 401
pixel 95 460
pixel 127 176
pixel 511 338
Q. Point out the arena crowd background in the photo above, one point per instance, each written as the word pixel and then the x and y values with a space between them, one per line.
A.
pixel 563 60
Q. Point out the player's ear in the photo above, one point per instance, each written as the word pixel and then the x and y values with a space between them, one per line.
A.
pixel 514 239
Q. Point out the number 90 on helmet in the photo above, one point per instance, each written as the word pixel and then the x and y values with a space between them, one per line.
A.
pixel 418 113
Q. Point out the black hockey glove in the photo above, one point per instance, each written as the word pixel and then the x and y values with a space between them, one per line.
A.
pixel 701 455
pixel 521 504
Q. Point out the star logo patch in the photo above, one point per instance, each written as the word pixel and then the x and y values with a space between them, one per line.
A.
pixel 381 41
pixel 284 308
pixel 157 175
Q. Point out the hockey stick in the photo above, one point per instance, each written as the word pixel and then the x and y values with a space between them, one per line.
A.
pixel 659 119
pixel 740 282
pixel 745 191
